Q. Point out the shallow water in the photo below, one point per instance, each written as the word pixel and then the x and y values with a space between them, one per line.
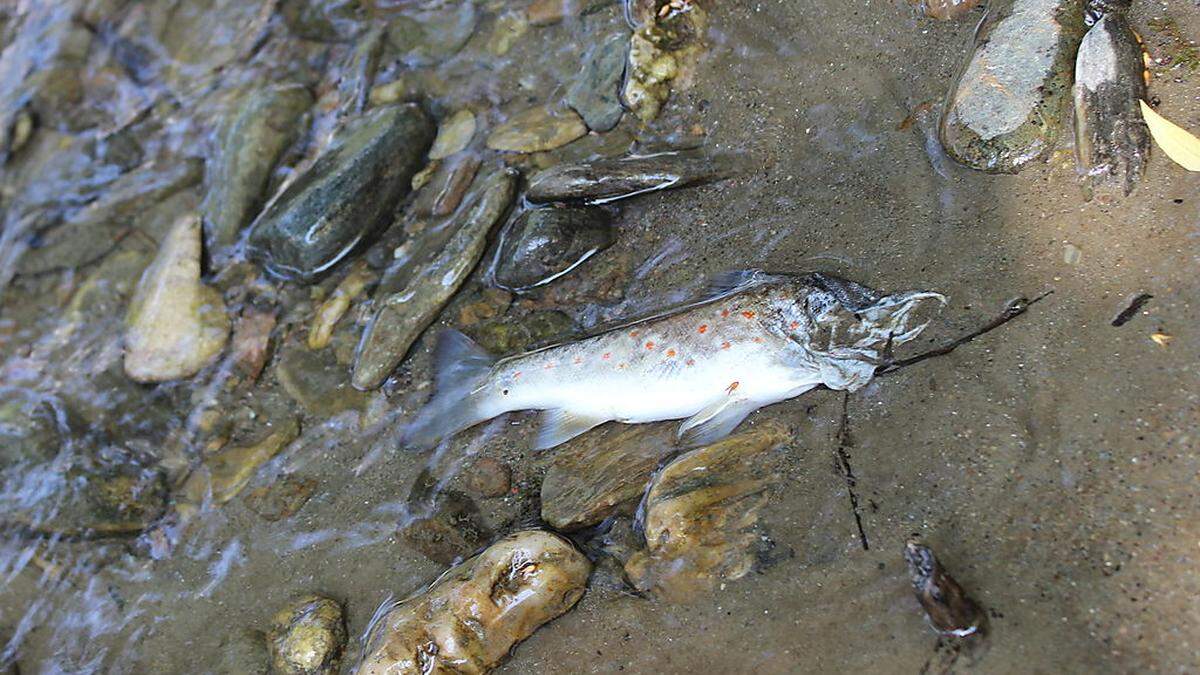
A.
pixel 1051 463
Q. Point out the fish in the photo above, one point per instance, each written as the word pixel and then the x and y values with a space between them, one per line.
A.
pixel 753 339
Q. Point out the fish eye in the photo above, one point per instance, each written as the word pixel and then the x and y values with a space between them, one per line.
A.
pixel 504 391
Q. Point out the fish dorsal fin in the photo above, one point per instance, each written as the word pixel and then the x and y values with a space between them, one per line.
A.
pixel 733 281
pixel 560 425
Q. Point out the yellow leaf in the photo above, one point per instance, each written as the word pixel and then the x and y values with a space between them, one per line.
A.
pixel 1174 140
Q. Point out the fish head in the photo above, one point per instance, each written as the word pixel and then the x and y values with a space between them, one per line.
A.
pixel 846 329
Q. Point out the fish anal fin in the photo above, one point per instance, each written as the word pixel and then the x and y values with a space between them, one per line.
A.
pixel 715 421
pixel 560 425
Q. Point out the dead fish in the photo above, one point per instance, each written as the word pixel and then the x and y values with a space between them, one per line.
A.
pixel 946 604
pixel 756 339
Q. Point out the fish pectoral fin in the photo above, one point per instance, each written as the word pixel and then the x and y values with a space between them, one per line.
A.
pixel 560 425
pixel 715 421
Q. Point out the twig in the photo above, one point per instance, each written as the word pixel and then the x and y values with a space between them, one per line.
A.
pixel 844 441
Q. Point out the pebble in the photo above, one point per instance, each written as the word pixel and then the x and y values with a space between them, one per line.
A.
pixel 596 93
pixel 307 637
pixel 537 129
pixel 489 477
pixel 453 135
pixel 544 244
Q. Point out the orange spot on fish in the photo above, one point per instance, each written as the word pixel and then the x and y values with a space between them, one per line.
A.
pixel 607 355
pixel 748 315
pixel 670 352
pixel 724 312
pixel 633 333
pixel 690 362
pixel 794 325
pixel 725 345
pixel 758 340
pixel 732 387
pixel 578 360
pixel 649 345
pixel 703 328
pixel 516 374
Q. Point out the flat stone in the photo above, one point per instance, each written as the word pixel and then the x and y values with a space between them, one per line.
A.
pixel 608 180
pixel 345 196
pixel 316 381
pixel 537 129
pixel 454 133
pixel 596 93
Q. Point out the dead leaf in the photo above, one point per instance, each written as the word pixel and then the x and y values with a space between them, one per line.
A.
pixel 1161 339
pixel 1175 141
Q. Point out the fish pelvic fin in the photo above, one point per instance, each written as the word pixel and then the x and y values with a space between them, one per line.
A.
pixel 715 421
pixel 560 425
pixel 461 368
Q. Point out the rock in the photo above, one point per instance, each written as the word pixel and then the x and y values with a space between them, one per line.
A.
pixel 316 381
pixel 547 12
pixel 335 306
pixel 515 335
pixel 282 498
pixel 596 93
pixel 418 289
pixel 114 493
pixel 176 324
pixel 662 52
pixel 489 477
pixel 251 341
pixel 1009 102
pixel 488 304
pixel 537 129
pixel 445 525
pixel 358 73
pixel 701 516
pixel 446 187
pixel 29 428
pixel 430 36
pixel 601 474
pixel 503 595
pixel 223 474
pixel 509 28
pixel 323 20
pixel 251 140
pixel 454 134
pixel 345 196
pixel 41 69
pixel 95 230
pixel 307 637
pixel 1112 142
pixel 611 179
pixel 945 10
pixel 544 244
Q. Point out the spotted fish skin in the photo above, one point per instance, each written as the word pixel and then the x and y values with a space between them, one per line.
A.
pixel 766 339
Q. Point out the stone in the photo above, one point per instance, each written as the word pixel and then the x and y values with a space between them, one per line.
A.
pixel 602 473
pixel 489 303
pixel 445 525
pixel 29 428
pixel 90 233
pixel 116 494
pixel 417 290
pixel 944 10
pixel 1009 103
pixel 1112 142
pixel 316 381
pixel 663 52
pixel 489 477
pixel 513 335
pixel 429 36
pixel 607 180
pixel 225 473
pixel 503 595
pixel 544 244
pixel 251 140
pixel 323 20
pixel 252 341
pixel 537 129
pixel 346 196
pixel 454 134
pixel 307 637
pixel 508 29
pixel 281 499
pixel 596 93
pixel 176 324
pixel 336 305
pixel 446 187
pixel 701 516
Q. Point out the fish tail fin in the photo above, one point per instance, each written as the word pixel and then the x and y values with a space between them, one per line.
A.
pixel 460 368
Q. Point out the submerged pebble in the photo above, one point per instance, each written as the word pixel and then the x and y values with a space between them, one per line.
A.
pixel 176 324
pixel 225 473
pixel 433 34
pixel 537 130
pixel 470 619
pixel 316 381
pixel 336 305
pixel 1112 142
pixel 251 141
pixel 345 196
pixel 446 526
pixel 414 295
pixel 602 474
pixel 1009 103
pixel 596 94
pixel 544 244
pixel 307 637
pixel 453 134
pixel 701 516
pixel 611 179
pixel 113 493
